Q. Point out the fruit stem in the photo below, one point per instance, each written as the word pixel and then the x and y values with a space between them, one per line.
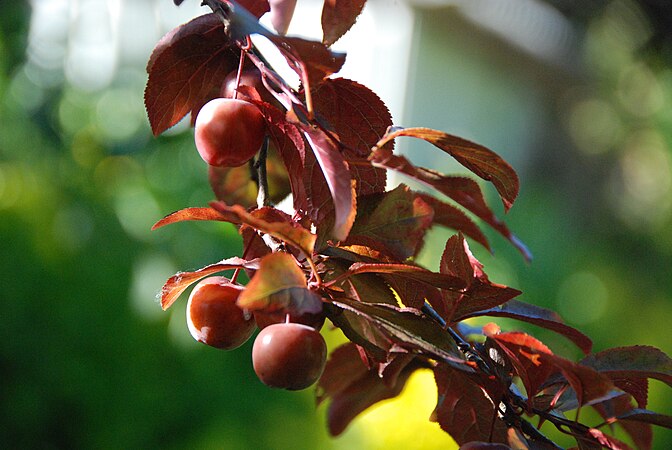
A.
pixel 263 199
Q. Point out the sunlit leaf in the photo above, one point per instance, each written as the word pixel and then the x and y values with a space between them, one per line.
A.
pixel 186 69
pixel 187 214
pixel 279 283
pixel 182 280
pixel 338 16
pixel 464 191
pixel 292 233
pixel 480 160
pixel 358 118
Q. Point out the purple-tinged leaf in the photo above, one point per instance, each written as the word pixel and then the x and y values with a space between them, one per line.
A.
pixel 464 411
pixel 358 118
pixel 538 316
pixel 646 416
pixel 352 390
pixel 632 362
pixel 415 273
pixel 451 217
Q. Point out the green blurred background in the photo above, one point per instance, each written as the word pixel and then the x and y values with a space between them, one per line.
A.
pixel 89 360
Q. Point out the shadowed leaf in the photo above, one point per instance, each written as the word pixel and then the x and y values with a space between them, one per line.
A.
pixel 337 177
pixel 409 329
pixel 353 391
pixel 393 222
pixel 451 217
pixel 464 411
pixel 632 362
pixel 536 315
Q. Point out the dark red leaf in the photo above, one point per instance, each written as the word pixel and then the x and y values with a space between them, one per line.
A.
pixel 449 216
pixel 292 233
pixel 182 280
pixel 464 411
pixel 362 332
pixel 412 293
pixel 365 287
pixel 480 160
pixel 409 329
pixel 361 393
pixel 343 368
pixel 338 16
pixel 646 416
pixel 415 273
pixel 255 7
pixel 393 222
pixel 464 191
pixel 186 70
pixel 358 118
pixel 536 315
pixel 632 362
pixel 290 145
pixel 337 176
pixel 588 383
pixel 640 431
pixel 480 293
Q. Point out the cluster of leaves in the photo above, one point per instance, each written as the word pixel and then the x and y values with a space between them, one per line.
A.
pixel 349 244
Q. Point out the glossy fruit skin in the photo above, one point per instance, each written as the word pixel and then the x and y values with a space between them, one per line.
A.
pixel 229 132
pixel 214 318
pixel 289 356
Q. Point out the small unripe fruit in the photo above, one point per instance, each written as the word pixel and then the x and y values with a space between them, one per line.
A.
pixel 229 132
pixel 289 356
pixel 214 318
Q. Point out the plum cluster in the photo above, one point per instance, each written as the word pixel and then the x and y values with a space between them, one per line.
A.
pixel 288 354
